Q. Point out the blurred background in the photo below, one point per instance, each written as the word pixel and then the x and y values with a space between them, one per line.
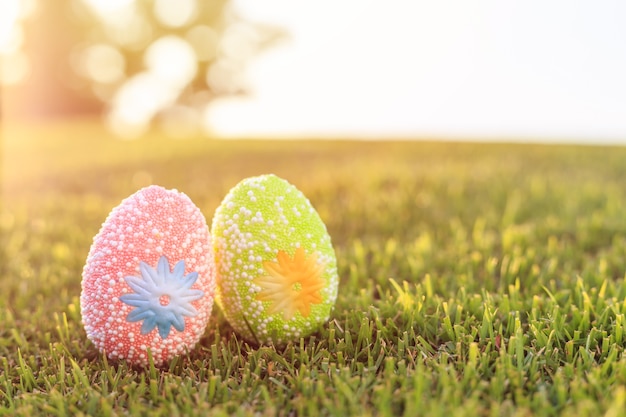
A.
pixel 481 70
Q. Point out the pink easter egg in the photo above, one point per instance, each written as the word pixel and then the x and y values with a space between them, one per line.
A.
pixel 149 280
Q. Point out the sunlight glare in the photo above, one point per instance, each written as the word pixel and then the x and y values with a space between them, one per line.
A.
pixel 15 65
pixel 13 42
pixel 14 68
pixel 175 13
pixel 417 67
pixel 9 15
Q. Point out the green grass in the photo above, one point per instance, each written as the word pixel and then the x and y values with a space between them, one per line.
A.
pixel 475 280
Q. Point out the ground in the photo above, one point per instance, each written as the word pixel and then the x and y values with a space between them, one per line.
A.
pixel 475 279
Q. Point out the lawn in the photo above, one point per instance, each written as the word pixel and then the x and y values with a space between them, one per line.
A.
pixel 475 279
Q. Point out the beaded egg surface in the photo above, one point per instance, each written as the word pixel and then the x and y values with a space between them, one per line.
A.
pixel 148 283
pixel 276 267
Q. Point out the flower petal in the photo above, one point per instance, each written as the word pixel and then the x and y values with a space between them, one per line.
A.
pixel 148 325
pixel 135 300
pixel 164 329
pixel 149 275
pixel 163 266
pixel 139 314
pixel 154 283
pixel 178 322
pixel 189 280
pixel 191 295
pixel 291 285
pixel 179 269
pixel 138 285
pixel 188 310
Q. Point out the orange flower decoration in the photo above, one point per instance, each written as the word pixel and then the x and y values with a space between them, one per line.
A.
pixel 292 285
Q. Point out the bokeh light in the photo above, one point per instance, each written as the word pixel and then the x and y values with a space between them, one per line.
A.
pixel 137 102
pixel 175 13
pixel 138 63
pixel 102 63
pixel 239 42
pixel 203 39
pixel 109 9
pixel 172 60
pixel 171 65
pixel 224 78
pixel 129 29
pixel 123 22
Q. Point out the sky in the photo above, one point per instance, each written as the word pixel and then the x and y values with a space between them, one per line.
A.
pixel 483 69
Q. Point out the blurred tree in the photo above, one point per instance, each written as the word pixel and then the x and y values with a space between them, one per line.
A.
pixel 137 61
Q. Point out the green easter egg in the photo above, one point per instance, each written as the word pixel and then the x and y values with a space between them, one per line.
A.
pixel 276 267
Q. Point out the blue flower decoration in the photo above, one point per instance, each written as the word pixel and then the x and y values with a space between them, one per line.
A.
pixel 162 297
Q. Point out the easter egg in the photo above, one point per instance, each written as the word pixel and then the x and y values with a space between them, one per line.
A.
pixel 276 269
pixel 149 280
